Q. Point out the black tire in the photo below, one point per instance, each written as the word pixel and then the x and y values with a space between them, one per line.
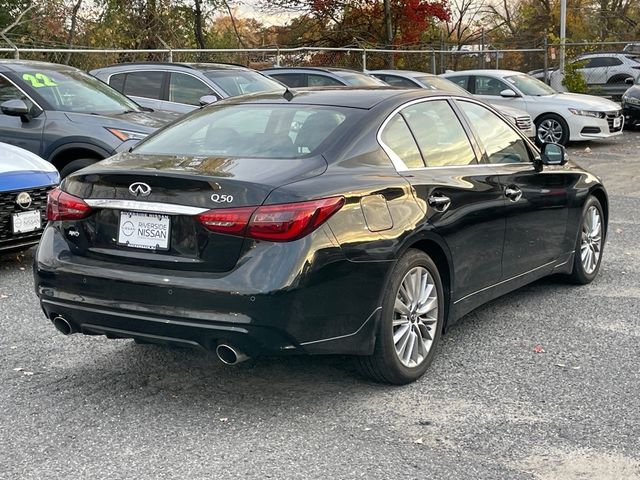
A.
pixel 580 275
pixel 557 119
pixel 384 365
pixel 76 165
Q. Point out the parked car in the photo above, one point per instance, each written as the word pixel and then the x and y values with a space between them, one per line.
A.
pixel 558 117
pixel 633 48
pixel 413 79
pixel 631 105
pixel 602 68
pixel 180 87
pixel 296 77
pixel 25 180
pixel 337 221
pixel 66 116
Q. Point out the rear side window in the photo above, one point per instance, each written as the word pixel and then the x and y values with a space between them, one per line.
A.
pixel 187 89
pixel 397 137
pixel 439 133
pixel 145 84
pixel 252 131
pixel 117 81
pixel 502 144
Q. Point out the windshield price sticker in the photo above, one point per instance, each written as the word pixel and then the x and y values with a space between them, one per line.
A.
pixel 144 230
pixel 38 80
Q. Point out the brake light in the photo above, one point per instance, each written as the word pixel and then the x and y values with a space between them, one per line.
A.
pixel 64 206
pixel 276 223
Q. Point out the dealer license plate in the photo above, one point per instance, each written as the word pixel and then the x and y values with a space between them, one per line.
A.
pixel 144 230
pixel 24 222
pixel 617 122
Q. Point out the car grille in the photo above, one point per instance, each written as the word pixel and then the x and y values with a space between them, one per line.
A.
pixel 610 117
pixel 8 206
pixel 523 123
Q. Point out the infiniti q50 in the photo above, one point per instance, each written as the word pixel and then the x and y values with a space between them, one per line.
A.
pixel 346 221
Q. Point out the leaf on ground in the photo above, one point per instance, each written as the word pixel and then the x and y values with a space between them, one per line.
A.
pixel 419 441
pixel 538 349
pixel 224 419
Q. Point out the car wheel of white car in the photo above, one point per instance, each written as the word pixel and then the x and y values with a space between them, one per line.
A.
pixel 551 128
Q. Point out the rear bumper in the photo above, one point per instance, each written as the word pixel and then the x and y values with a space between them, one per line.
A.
pixel 331 307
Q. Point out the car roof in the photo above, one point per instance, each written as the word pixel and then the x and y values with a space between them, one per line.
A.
pixel 175 66
pixel 8 65
pixel 402 73
pixel 313 69
pixel 495 73
pixel 352 97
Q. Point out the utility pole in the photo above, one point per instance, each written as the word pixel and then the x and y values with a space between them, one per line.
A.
pixel 563 31
pixel 388 29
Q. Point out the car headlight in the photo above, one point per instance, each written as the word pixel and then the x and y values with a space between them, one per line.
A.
pixel 630 100
pixel 587 113
pixel 125 135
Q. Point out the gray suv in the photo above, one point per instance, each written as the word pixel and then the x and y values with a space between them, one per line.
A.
pixel 180 87
pixel 68 117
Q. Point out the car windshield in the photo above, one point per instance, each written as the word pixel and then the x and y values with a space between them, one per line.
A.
pixel 251 131
pixel 355 79
pixel 76 91
pixel 240 82
pixel 530 86
pixel 437 83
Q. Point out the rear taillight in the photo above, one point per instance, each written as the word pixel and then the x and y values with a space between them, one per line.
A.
pixel 63 206
pixel 275 223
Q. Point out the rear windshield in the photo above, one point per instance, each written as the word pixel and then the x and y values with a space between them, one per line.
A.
pixel 360 79
pixel 253 131
pixel 240 82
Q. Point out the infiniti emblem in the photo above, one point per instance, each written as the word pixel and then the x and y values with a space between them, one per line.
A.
pixel 140 189
pixel 23 200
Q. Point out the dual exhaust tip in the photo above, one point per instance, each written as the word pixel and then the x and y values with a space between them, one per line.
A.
pixel 228 354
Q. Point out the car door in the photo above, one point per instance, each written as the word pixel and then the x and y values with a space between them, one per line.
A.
pixel 185 92
pixel 594 71
pixel 536 202
pixel 13 130
pixel 462 199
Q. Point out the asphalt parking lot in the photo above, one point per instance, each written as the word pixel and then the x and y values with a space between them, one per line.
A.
pixel 489 408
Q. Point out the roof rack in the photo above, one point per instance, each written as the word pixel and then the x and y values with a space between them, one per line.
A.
pixel 192 65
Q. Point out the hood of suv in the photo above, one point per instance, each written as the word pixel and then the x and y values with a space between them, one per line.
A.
pixel 145 122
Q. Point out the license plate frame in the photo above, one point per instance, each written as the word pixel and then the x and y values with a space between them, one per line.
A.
pixel 617 122
pixel 26 222
pixel 144 231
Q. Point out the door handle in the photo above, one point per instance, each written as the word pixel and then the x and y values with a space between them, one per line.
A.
pixel 439 202
pixel 513 193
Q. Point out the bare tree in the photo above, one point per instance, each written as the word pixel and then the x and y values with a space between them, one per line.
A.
pixel 72 28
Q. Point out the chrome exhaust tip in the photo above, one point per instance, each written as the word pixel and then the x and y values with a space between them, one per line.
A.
pixel 230 355
pixel 62 325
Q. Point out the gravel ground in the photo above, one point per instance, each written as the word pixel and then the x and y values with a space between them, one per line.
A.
pixel 489 408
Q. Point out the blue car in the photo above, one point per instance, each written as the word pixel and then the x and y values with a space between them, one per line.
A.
pixel 25 180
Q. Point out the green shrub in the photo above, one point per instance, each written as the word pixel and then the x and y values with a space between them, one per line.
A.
pixel 573 79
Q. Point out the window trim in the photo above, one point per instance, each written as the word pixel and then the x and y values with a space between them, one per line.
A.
pixel 165 71
pixel 477 147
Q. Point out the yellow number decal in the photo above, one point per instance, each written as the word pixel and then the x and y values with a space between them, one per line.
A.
pixel 39 80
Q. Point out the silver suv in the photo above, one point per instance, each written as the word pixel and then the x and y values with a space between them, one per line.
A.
pixel 603 68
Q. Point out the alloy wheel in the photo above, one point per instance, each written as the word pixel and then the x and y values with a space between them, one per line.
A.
pixel 550 131
pixel 591 244
pixel 415 317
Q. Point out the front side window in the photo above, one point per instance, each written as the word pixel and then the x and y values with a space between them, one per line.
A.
pixel 293 80
pixel 252 131
pixel 395 81
pixel 502 144
pixel 398 138
pixel 439 133
pixel 354 79
pixel 530 86
pixel 322 81
pixel 242 82
pixel 489 86
pixel 146 84
pixel 187 89
pixel 462 81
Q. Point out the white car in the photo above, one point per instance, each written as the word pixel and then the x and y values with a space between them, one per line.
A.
pixel 413 79
pixel 558 117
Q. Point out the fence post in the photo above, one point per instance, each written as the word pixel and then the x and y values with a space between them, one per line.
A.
pixel 546 61
pixel 364 59
pixel 433 61
pixel 278 57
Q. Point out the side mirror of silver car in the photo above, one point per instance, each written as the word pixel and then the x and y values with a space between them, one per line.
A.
pixel 207 100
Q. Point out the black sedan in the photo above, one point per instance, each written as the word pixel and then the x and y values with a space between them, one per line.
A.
pixel 346 221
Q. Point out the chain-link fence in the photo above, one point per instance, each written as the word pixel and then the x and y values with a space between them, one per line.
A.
pixel 542 58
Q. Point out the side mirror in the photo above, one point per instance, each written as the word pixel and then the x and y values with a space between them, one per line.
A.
pixel 16 108
pixel 628 81
pixel 207 100
pixel 553 154
pixel 508 93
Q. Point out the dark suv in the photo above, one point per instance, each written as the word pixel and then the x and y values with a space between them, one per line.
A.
pixel 68 117
pixel 179 87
